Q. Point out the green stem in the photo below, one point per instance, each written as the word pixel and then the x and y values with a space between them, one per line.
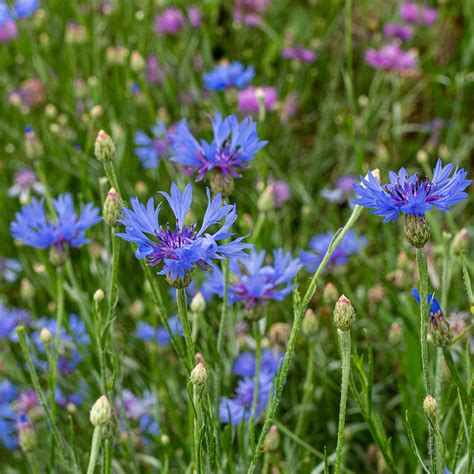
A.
pixel 457 379
pixel 111 176
pixel 258 357
pixel 183 316
pixel 423 291
pixel 225 304
pixel 308 385
pixel 96 440
pixel 299 310
pixel 345 337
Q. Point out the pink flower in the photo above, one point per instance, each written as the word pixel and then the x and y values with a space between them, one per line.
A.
pixel 194 15
pixel 8 31
pixel 249 102
pixel 391 57
pixel 170 21
pixel 394 30
pixel 411 12
pixel 302 54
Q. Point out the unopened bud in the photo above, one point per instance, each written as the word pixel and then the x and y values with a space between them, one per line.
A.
pixel 99 296
pixel 27 290
pixel 460 241
pixel 101 413
pixel 199 374
pixel 330 294
pixel 310 323
pixel 422 156
pixel 440 329
pixel 112 208
pixel 137 63
pixel 165 439
pixel 104 147
pixel 33 147
pixel 45 336
pixel 279 335
pixel 198 303
pixel 417 230
pixel 344 314
pixel 266 201
pixel 272 439
pixel 395 334
pixel 58 256
pixel 430 405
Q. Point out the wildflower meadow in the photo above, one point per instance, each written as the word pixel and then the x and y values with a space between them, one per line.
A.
pixel 235 236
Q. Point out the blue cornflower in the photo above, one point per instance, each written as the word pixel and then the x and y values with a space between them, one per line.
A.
pixel 182 250
pixel 319 245
pixel 75 333
pixel 70 398
pixel 10 319
pixel 146 332
pixel 245 363
pixel 413 195
pixel 433 302
pixel 233 147
pixel 25 8
pixel 9 269
pixel 141 410
pixel 8 394
pixel 237 409
pixel 35 229
pixel 151 150
pixel 224 76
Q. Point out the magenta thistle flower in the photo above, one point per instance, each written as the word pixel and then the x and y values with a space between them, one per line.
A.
pixel 391 57
pixel 249 102
pixel 411 12
pixel 299 53
pixel 395 30
pixel 169 22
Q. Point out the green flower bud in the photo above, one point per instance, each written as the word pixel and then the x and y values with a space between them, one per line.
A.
pixel 430 405
pixel 272 440
pixel 310 323
pixel 112 208
pixel 45 336
pixel 198 303
pixel 440 329
pixel 417 231
pixel 104 147
pixel 99 296
pixel 330 294
pixel 266 201
pixel 344 314
pixel 199 375
pixel 27 437
pixel 101 413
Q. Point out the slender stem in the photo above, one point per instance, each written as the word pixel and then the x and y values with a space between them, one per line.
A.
pixel 96 439
pixel 111 176
pixel 423 291
pixel 345 337
pixel 258 357
pixel 299 310
pixel 183 316
pixel 258 227
pixel 225 304
pixel 308 385
pixel 196 428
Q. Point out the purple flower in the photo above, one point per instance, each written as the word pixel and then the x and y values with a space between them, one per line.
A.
pixel 229 75
pixel 151 150
pixel 146 332
pixel 391 57
pixel 141 410
pixel 169 22
pixel 280 191
pixel 239 408
pixel 35 229
pixel 8 30
pixel 301 54
pixel 233 147
pixel 194 15
pixel 413 195
pixel 245 363
pixel 249 101
pixel 418 14
pixel 181 250
pixel 249 12
pixel 155 72
pixel 26 402
pixel 319 245
pixel 395 30
pixel 26 182
pixel 8 436
pixel 342 190
pixel 65 400
pixel 10 319
pixel 9 269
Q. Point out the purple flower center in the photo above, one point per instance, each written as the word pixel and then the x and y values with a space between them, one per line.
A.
pixel 402 191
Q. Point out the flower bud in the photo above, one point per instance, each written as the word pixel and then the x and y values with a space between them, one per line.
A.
pixel 45 336
pixel 221 184
pixel 440 329
pixel 344 314
pixel 266 201
pixel 199 375
pixel 27 290
pixel 279 335
pixel 198 303
pixel 101 413
pixel 430 405
pixel 417 230
pixel 137 63
pixel 112 208
pixel 104 147
pixel 99 296
pixel 460 241
pixel 330 294
pixel 58 256
pixel 272 440
pixel 395 334
pixel 33 147
pixel 310 323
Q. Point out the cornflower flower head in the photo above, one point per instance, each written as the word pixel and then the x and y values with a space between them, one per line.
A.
pixel 146 332
pixel 10 319
pixel 342 190
pixel 318 246
pixel 63 400
pixel 439 326
pixel 8 394
pixel 399 31
pixel 232 149
pixel 34 228
pixel 181 250
pixel 9 269
pixel 239 408
pixel 26 402
pixel 25 8
pixel 26 183
pixel 151 150
pixel 169 22
pixel 411 12
pixel 8 28
pixel 224 76
pixel 413 195
pixel 391 57
pixel 249 101
pixel 301 54
pixel 246 363
pixel 140 409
